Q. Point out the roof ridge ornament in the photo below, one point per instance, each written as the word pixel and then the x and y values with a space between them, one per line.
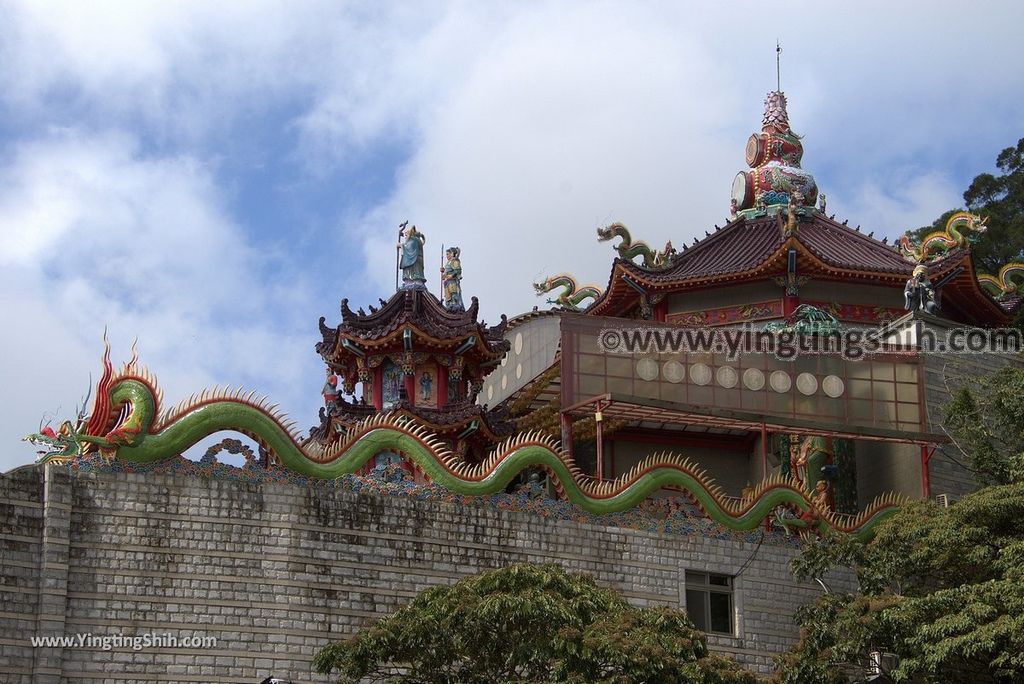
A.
pixel 775 176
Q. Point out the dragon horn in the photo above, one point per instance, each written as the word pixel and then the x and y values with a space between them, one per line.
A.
pixel 85 401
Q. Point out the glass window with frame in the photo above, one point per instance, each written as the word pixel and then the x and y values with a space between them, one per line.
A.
pixel 709 601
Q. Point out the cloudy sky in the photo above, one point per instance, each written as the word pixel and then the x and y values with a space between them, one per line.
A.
pixel 213 177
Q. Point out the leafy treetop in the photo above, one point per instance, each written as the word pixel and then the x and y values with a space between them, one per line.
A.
pixel 528 623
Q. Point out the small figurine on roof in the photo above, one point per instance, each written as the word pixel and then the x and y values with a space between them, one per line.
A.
pixel 330 390
pixel 919 295
pixel 411 257
pixel 451 280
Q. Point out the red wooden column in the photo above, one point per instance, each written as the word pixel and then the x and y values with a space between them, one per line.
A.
pixel 599 434
pixel 410 388
pixel 566 433
pixel 378 387
pixel 926 455
pixel 764 451
pixel 442 386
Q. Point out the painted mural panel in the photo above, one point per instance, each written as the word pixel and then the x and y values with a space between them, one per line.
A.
pixel 392 374
pixel 426 385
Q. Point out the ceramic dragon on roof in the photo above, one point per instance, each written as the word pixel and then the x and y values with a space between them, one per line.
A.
pixel 629 250
pixel 572 295
pixel 1007 282
pixel 962 230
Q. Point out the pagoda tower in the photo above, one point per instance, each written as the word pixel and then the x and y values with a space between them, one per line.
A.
pixel 417 357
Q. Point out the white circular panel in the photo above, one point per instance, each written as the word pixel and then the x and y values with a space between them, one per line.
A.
pixel 753 379
pixel 807 384
pixel 519 371
pixel 647 369
pixel 700 374
pixel 504 381
pixel 673 371
pixel 780 381
pixel 833 386
pixel 727 377
pixel 490 392
pixel 518 346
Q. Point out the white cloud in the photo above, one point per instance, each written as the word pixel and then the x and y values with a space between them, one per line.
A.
pixel 894 209
pixel 96 235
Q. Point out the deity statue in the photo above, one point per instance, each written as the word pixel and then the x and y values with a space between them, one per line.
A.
pixel 330 390
pixel 919 295
pixel 426 383
pixel 411 261
pixel 807 457
pixel 451 280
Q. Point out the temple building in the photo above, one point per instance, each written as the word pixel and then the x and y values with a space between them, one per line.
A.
pixel 419 358
pixel 864 422
pixel 780 265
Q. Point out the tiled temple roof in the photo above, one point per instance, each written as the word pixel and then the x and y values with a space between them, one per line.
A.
pixel 744 244
pixel 755 249
pixel 417 309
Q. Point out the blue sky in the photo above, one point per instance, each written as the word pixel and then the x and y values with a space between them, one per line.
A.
pixel 213 177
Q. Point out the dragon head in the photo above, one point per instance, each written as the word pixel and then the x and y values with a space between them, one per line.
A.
pixel 541 288
pixel 604 234
pixel 977 228
pixel 55 447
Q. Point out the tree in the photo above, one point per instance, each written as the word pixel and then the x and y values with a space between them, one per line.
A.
pixel 1001 199
pixel 942 588
pixel 528 623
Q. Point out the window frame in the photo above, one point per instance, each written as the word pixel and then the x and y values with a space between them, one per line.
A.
pixel 700 582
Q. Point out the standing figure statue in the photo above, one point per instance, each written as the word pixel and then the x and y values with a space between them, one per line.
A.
pixel 451 280
pixel 411 261
pixel 330 389
pixel 919 295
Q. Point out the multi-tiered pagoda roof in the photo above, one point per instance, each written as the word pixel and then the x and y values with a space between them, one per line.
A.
pixel 408 338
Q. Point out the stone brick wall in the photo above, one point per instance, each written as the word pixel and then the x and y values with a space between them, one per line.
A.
pixel 276 571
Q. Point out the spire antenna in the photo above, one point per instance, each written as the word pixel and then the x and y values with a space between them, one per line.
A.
pixel 778 72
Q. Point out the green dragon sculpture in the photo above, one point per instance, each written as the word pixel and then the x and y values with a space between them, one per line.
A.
pixel 126 423
pixel 942 241
pixel 807 320
pixel 629 250
pixel 1002 284
pixel 571 295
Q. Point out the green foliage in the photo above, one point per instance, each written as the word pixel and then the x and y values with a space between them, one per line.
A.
pixel 942 588
pixel 1001 199
pixel 986 419
pixel 528 623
